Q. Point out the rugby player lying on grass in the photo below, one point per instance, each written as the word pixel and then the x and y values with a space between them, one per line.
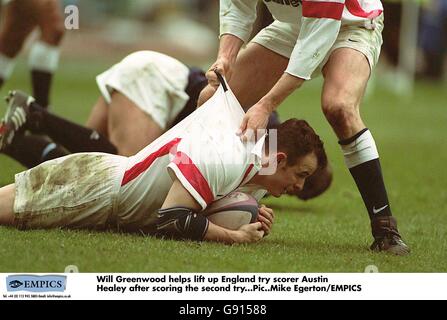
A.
pixel 141 97
pixel 162 189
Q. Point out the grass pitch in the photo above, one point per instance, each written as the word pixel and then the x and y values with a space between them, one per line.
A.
pixel 328 234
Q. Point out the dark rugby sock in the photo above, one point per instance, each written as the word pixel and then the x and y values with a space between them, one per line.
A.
pixel 74 137
pixel 41 82
pixel 369 180
pixel 362 159
pixel 32 150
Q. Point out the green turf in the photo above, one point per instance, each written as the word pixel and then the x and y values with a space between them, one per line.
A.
pixel 329 234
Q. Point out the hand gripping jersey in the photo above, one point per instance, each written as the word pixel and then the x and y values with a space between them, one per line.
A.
pixel 202 151
pixel 319 22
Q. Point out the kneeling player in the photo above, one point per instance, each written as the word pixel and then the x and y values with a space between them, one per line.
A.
pixel 162 189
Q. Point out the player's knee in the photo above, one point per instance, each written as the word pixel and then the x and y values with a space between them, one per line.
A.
pixel 124 147
pixel 11 51
pixel 126 151
pixel 205 94
pixel 12 43
pixel 53 35
pixel 58 33
pixel 340 115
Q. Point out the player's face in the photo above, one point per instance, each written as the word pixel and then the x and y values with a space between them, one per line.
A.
pixel 289 179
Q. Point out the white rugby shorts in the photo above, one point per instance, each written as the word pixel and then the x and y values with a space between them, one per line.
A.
pixel 281 37
pixel 155 82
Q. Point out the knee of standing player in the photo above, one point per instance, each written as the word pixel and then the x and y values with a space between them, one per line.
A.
pixel 340 114
pixel 54 33
pixel 13 42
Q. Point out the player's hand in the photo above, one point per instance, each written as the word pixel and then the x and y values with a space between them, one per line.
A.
pixel 254 122
pixel 250 233
pixel 266 216
pixel 222 65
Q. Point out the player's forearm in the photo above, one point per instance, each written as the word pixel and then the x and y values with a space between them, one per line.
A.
pixel 229 47
pixel 280 91
pixel 219 234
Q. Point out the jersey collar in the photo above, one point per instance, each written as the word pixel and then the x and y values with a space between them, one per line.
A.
pixel 257 148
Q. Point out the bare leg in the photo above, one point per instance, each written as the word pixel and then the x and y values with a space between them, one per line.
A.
pixel 130 128
pixel 17 24
pixel 98 117
pixel 7 196
pixel 254 65
pixel 346 75
pixel 50 20
pixel 44 54
pixel 345 78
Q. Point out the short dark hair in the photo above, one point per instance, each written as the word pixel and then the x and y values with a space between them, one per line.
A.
pixel 297 138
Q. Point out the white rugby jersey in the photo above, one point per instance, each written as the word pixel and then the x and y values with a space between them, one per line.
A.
pixel 202 151
pixel 319 22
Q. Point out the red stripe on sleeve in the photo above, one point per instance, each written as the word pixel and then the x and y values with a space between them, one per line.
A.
pixel 142 166
pixel 246 173
pixel 355 9
pixel 322 9
pixel 194 176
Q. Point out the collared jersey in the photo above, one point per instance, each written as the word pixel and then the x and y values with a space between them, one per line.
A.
pixel 202 151
pixel 319 22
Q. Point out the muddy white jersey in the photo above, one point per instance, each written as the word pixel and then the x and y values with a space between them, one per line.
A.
pixel 202 151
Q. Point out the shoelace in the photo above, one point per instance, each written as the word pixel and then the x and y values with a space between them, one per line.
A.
pixel 18 118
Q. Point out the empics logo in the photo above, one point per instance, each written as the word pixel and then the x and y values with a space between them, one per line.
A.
pixel 36 283
pixel 15 284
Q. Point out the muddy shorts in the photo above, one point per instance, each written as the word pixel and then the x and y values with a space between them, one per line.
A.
pixel 76 191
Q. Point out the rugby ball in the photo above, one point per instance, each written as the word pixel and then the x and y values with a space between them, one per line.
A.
pixel 233 211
